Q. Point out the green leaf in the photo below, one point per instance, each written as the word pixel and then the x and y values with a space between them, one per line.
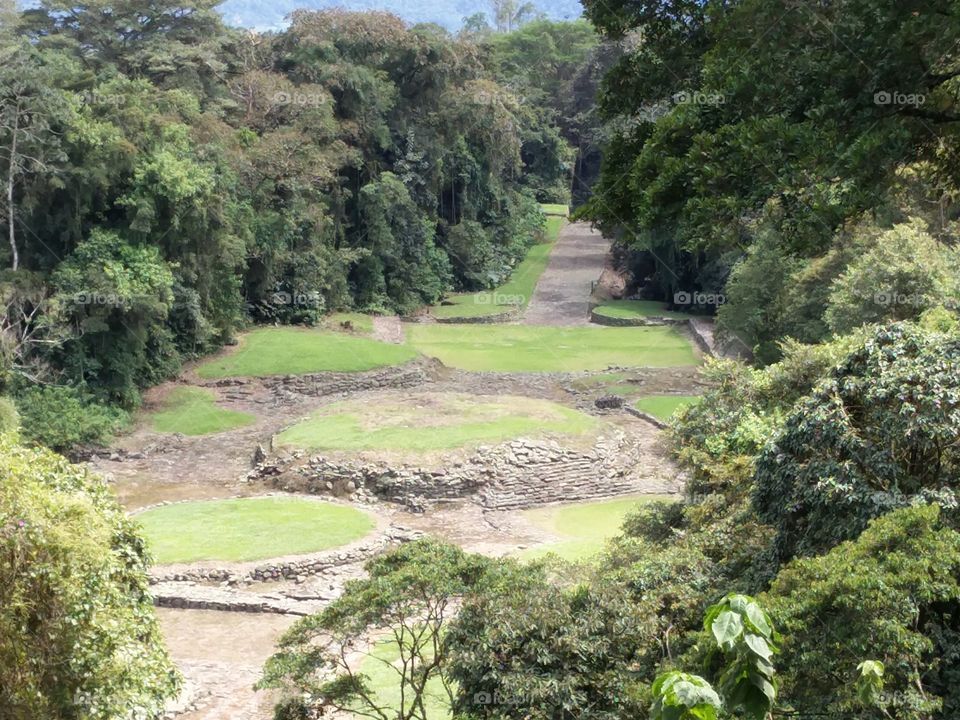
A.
pixel 759 619
pixel 759 646
pixel 727 628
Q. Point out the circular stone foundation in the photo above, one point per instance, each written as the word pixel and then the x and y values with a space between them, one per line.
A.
pixel 432 422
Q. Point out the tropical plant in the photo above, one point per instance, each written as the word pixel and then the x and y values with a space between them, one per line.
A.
pixel 78 635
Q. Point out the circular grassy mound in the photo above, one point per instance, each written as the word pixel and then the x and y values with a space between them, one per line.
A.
pixel 431 421
pixel 584 528
pixel 249 529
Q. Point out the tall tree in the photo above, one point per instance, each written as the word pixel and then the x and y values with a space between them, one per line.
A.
pixel 31 112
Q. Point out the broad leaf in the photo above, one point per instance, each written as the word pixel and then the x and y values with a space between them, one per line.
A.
pixel 727 628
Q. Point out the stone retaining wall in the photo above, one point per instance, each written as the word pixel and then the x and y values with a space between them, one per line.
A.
pixel 289 569
pixel 646 416
pixel 601 319
pixel 324 384
pixel 717 344
pixel 190 596
pixel 517 474
pixel 505 317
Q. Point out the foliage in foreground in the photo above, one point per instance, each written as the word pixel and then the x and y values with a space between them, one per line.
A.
pixel 409 600
pixel 880 432
pixel 78 635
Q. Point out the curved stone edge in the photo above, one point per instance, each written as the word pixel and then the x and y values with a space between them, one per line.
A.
pixel 646 417
pixel 505 317
pixel 292 568
pixel 601 319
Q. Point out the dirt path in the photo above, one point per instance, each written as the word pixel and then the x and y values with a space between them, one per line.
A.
pixel 388 329
pixel 221 656
pixel 562 296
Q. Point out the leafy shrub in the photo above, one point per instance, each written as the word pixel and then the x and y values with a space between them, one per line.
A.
pixel 744 645
pixel 680 696
pixel 62 417
pixel 78 635
pixel 881 433
pixel 546 652
pixel 713 439
pixel 757 301
pixel 655 522
pixel 893 593
pixel 903 273
pixel 939 320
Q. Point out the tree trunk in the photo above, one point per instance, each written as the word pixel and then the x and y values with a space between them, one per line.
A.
pixel 10 178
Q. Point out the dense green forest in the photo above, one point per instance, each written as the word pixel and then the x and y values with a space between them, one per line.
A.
pixel 168 179
pixel 799 159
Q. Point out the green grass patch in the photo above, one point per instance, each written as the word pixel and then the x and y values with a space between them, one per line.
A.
pixel 516 292
pixel 663 407
pixel 296 351
pixel 428 422
pixel 636 309
pixel 249 529
pixel 194 411
pixel 586 526
pixel 555 209
pixel 380 667
pixel 521 348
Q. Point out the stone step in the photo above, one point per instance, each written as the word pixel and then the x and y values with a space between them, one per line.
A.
pixel 188 595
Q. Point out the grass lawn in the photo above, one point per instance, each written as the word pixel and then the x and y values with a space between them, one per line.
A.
pixel 380 666
pixel 663 407
pixel 549 209
pixel 521 348
pixel 250 529
pixel 634 309
pixel 194 411
pixel 295 351
pixel 426 422
pixel 516 291
pixel 587 526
